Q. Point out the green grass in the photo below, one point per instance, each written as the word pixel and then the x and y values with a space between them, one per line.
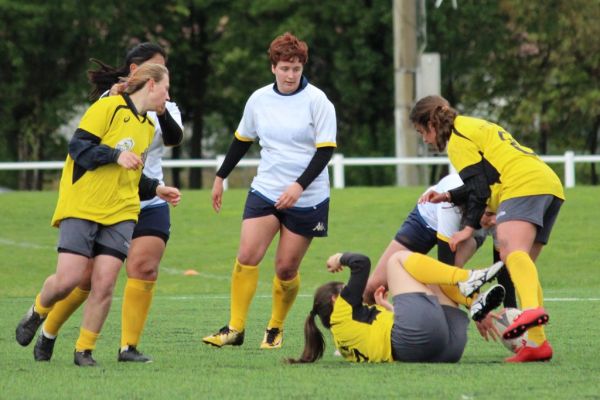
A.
pixel 187 308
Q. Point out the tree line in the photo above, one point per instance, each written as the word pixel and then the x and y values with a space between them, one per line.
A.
pixel 533 66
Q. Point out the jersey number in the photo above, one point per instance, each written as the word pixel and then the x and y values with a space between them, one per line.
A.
pixel 506 136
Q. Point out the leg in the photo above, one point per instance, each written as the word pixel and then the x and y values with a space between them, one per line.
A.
pixel 290 250
pixel 399 280
pixel 379 275
pixel 143 260
pixel 256 236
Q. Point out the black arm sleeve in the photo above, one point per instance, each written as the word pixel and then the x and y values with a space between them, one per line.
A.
pixel 474 193
pixel 236 151
pixel 315 166
pixel 147 187
pixel 445 255
pixel 172 133
pixel 87 152
pixel 360 266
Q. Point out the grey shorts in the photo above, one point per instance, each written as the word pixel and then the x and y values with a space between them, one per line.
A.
pixel 89 239
pixel 540 210
pixel 425 331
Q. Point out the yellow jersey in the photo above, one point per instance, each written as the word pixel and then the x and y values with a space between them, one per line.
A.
pixel 362 334
pixel 516 168
pixel 107 194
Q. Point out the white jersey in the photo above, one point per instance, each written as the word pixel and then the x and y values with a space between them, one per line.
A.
pixel 444 218
pixel 153 163
pixel 289 129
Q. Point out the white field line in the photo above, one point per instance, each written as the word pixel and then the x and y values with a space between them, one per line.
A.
pixel 26 245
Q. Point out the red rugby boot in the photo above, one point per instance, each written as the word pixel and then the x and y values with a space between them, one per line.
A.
pixel 527 319
pixel 529 354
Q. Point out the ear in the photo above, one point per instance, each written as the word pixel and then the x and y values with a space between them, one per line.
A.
pixel 132 68
pixel 273 68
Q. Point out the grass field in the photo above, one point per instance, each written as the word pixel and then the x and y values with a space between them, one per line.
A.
pixel 189 307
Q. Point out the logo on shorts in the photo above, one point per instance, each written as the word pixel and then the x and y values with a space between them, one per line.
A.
pixel 320 227
pixel 501 214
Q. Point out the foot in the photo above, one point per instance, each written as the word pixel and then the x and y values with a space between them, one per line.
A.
pixel 526 320
pixel 44 347
pixel 134 355
pixel 486 302
pixel 273 339
pixel 225 337
pixel 84 358
pixel 28 326
pixel 526 353
pixel 478 278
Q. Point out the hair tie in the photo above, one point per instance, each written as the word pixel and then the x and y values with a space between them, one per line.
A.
pixel 313 313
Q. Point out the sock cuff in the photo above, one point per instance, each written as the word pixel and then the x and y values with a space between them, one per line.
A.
pixel 39 308
pixel 146 286
pixel 80 292
pixel 87 340
pixel 515 255
pixel 292 283
pixel 238 264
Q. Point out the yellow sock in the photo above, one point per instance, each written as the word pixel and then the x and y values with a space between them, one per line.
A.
pixel 244 280
pixel 284 295
pixel 87 340
pixel 456 296
pixel 39 308
pixel 63 310
pixel 529 291
pixel 137 299
pixel 429 270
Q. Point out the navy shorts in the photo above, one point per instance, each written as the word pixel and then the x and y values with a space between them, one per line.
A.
pixel 154 221
pixel 415 234
pixel 540 210
pixel 305 221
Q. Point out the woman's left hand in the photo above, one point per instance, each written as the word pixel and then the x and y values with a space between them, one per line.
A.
pixel 381 298
pixel 487 329
pixel 460 236
pixel 289 197
pixel 169 194
pixel 334 264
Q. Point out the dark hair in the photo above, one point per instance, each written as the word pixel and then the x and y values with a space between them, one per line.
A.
pixel 437 110
pixel 288 47
pixel 104 77
pixel 314 344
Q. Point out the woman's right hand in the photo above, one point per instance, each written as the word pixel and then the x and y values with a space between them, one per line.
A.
pixel 217 193
pixel 129 160
pixel 334 264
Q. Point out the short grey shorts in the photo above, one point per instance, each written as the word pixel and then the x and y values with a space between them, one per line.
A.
pixel 89 239
pixel 540 210
pixel 425 331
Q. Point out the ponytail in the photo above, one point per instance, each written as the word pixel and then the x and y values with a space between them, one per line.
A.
pixel 314 344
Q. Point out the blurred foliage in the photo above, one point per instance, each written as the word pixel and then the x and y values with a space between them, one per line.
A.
pixel 532 66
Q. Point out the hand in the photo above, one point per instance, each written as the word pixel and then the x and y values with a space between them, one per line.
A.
pixel 460 236
pixel 289 197
pixel 334 264
pixel 169 194
pixel 487 329
pixel 433 197
pixel 117 88
pixel 129 160
pixel 217 193
pixel 381 298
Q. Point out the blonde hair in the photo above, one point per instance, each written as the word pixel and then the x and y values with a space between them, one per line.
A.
pixel 137 80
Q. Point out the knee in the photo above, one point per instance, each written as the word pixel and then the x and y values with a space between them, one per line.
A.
pixel 248 257
pixel 143 269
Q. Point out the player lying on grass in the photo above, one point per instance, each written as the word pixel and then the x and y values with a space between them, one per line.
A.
pixel 422 325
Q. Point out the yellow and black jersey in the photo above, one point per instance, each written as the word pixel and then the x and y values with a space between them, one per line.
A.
pixel 362 339
pixel 487 146
pixel 93 186
pixel 361 333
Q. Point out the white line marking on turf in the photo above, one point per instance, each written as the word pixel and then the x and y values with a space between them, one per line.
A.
pixel 25 245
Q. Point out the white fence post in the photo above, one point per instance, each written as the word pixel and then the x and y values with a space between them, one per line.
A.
pixel 220 159
pixel 338 171
pixel 569 169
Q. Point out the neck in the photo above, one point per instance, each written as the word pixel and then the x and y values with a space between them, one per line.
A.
pixel 138 100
